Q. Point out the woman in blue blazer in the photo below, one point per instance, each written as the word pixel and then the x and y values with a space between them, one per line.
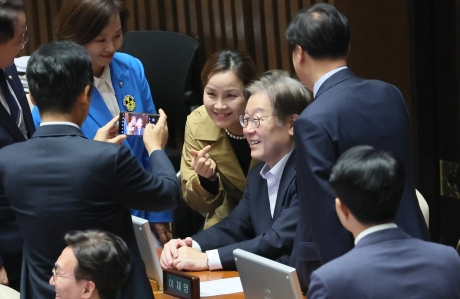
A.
pixel 120 84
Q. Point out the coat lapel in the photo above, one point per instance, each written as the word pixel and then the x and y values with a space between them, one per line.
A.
pixel 286 179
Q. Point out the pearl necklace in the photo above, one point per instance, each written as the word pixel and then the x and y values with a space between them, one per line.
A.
pixel 234 136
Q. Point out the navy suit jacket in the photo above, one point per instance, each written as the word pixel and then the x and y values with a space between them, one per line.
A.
pixel 10 237
pixel 390 264
pixel 67 182
pixel 250 225
pixel 347 111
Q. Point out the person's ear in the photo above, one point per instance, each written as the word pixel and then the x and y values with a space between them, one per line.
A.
pixel 90 288
pixel 291 124
pixel 32 99
pixel 342 210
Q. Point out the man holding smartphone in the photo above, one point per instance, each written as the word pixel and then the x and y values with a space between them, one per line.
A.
pixel 73 183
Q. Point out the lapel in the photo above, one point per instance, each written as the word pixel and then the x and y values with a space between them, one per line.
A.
pixel 18 89
pixel 10 125
pixel 98 110
pixel 5 117
pixel 382 236
pixel 57 130
pixel 120 82
pixel 334 80
pixel 286 180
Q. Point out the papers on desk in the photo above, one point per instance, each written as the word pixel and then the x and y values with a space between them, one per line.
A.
pixel 220 287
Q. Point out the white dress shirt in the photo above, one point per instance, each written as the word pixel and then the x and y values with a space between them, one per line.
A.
pixel 273 177
pixel 104 85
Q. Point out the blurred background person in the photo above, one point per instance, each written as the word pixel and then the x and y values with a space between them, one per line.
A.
pixel 81 271
pixel 216 156
pixel 119 80
pixel 16 125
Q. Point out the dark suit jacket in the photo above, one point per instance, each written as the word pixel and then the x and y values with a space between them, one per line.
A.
pixel 347 111
pixel 250 225
pixel 67 182
pixel 390 264
pixel 10 237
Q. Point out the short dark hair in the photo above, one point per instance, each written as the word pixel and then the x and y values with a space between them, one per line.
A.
pixel 239 63
pixel 102 258
pixel 287 95
pixel 370 183
pixel 57 74
pixel 81 21
pixel 321 30
pixel 9 10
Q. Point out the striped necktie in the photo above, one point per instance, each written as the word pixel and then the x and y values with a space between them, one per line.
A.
pixel 10 100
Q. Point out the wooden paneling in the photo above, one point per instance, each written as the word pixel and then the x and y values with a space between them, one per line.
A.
pixel 255 26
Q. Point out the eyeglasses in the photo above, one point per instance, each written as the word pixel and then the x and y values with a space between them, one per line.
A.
pixel 25 37
pixel 55 274
pixel 255 120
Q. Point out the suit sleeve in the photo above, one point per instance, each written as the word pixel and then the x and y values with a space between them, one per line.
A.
pixel 138 188
pixel 198 198
pixel 315 155
pixel 317 289
pixel 236 231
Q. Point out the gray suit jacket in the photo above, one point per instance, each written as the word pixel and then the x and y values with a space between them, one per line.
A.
pixel 390 264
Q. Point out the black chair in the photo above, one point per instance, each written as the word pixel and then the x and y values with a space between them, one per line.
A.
pixel 172 69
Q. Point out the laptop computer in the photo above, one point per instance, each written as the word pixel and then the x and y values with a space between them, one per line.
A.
pixel 262 278
pixel 148 251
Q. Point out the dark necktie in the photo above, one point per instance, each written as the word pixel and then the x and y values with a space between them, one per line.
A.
pixel 10 100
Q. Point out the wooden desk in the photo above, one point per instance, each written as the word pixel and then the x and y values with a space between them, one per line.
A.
pixel 206 276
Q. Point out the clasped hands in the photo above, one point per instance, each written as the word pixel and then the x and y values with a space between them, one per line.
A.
pixel 179 254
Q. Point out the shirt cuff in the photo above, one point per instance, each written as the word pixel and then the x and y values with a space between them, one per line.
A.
pixel 214 260
pixel 155 149
pixel 196 246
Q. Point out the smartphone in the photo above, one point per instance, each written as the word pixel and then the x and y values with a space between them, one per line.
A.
pixel 133 123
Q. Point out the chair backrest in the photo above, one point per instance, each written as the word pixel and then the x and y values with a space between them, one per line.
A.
pixel 8 293
pixel 424 207
pixel 171 67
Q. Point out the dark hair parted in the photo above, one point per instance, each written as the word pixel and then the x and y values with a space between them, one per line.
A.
pixel 287 95
pixel 321 30
pixel 9 10
pixel 57 74
pixel 81 21
pixel 240 63
pixel 102 258
pixel 370 183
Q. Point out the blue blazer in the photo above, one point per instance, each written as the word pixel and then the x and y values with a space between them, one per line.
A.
pixel 347 111
pixel 128 78
pixel 250 225
pixel 390 264
pixel 70 183
pixel 10 238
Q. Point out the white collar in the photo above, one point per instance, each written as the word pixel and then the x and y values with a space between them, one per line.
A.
pixel 374 229
pixel 324 78
pixel 106 76
pixel 277 169
pixel 67 123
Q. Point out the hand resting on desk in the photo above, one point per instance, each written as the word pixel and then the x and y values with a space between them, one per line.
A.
pixel 180 255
